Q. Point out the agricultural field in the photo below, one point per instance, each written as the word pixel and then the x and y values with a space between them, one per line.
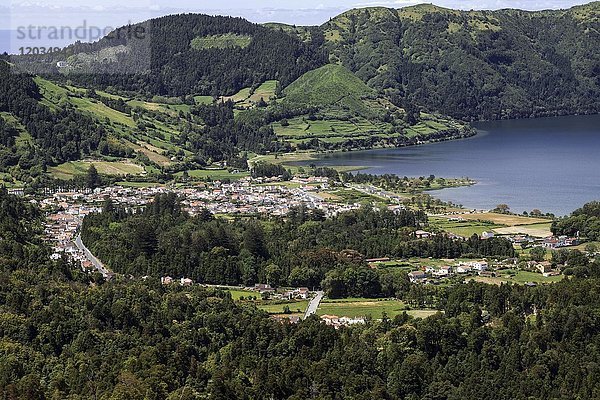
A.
pixel 502 219
pixel 116 168
pixel 535 230
pixel 503 224
pixel 237 294
pixel 203 99
pixel 362 307
pixel 350 196
pixel 296 307
pixel 153 138
pixel 138 184
pixel 247 98
pixel 463 228
pixel 517 277
pixel 213 174
pixel 24 137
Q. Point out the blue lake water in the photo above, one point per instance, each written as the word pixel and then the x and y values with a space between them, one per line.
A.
pixel 552 164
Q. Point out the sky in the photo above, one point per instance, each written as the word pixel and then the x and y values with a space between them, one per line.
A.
pixel 30 22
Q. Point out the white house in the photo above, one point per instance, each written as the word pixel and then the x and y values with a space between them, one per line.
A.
pixel 487 235
pixel 416 276
pixel 186 282
pixel 464 269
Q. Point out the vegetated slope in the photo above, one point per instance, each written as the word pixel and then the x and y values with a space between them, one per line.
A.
pixel 331 86
pixel 475 64
pixel 44 124
pixel 185 54
pixel 331 108
pixel 59 134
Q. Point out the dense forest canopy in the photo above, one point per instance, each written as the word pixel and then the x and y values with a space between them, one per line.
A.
pixel 161 56
pixel 584 221
pixel 304 245
pixel 64 336
pixel 475 64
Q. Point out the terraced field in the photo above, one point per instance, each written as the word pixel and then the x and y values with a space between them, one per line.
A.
pixel 153 139
pixel 246 98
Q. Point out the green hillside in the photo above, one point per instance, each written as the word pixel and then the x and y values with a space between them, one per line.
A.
pixel 333 109
pixel 331 86
pixel 475 64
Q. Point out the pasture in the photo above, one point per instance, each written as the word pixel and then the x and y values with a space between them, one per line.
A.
pixel 71 169
pixel 296 307
pixel 363 307
pixel 213 174
pixel 517 277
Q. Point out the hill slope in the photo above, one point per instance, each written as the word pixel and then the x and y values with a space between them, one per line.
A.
pixel 475 64
pixel 331 108
pixel 183 54
pixel 330 86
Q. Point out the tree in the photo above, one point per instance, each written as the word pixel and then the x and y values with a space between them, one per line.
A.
pixel 501 209
pixel 273 274
pixel 538 253
pixel 92 177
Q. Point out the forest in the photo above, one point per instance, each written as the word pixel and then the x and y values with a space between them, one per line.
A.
pixel 584 222
pixel 475 65
pixel 298 250
pixel 64 334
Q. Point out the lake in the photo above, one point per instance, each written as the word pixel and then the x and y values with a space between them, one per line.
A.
pixel 552 164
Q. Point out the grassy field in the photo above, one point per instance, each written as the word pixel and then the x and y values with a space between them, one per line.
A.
pixel 517 277
pixel 224 41
pixel 462 228
pixel 296 307
pixel 214 174
pixel 73 168
pixel 152 139
pixel 360 307
pixel 503 224
pixel 238 294
pixel 138 184
pixel 264 91
pixel 203 99
pixel 501 219
pixel 246 98
pixel 24 137
pixel 535 230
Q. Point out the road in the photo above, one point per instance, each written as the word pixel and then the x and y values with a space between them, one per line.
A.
pixel 314 304
pixel 97 263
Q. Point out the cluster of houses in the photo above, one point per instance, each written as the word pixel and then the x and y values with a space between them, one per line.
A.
pixel 543 267
pixel 550 242
pixel 68 208
pixel 60 230
pixel 555 242
pixel 301 293
pixel 337 322
pixel 262 196
pixel 167 280
pixel 428 273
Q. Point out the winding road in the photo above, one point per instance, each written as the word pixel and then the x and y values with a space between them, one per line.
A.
pixel 314 304
pixel 97 263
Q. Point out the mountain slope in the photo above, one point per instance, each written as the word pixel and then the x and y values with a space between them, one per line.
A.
pixel 331 108
pixel 330 86
pixel 183 54
pixel 475 64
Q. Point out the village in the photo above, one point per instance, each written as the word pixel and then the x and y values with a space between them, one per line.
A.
pixel 247 196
